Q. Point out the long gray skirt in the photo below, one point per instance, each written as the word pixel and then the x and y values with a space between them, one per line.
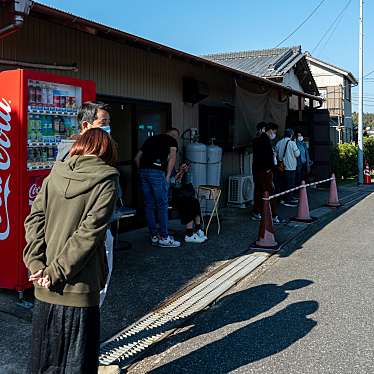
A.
pixel 65 340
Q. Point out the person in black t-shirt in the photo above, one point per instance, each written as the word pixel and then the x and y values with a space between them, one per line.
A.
pixel 156 160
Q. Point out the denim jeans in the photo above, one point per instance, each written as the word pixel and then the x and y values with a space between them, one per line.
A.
pixel 290 179
pixel 156 198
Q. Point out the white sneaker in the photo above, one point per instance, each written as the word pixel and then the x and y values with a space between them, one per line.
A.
pixel 200 234
pixel 194 239
pixel 168 242
pixel 278 220
pixel 256 216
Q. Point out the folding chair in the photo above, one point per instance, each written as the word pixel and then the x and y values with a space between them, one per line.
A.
pixel 207 193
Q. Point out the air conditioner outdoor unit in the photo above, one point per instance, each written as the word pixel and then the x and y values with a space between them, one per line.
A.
pixel 240 190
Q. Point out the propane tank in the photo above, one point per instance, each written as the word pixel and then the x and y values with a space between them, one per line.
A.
pixel 214 160
pixel 196 154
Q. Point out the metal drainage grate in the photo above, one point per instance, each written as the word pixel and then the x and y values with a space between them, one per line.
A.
pixel 123 348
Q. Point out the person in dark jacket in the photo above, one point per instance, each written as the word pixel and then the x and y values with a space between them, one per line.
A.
pixel 263 167
pixel 65 253
pixel 188 206
pixel 303 162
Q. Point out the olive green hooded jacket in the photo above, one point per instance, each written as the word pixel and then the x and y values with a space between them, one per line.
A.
pixel 65 230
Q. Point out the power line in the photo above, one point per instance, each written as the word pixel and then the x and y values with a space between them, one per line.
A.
pixel 301 24
pixel 335 28
pixel 371 72
pixel 336 21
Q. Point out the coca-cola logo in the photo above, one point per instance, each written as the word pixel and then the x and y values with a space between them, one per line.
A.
pixel 33 191
pixel 5 160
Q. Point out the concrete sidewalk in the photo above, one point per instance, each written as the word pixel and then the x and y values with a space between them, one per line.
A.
pixel 146 276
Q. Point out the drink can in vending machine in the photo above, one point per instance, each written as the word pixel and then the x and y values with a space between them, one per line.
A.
pixel 61 125
pixel 70 102
pixel 31 93
pixel 55 152
pixel 38 93
pixel 44 96
pixel 56 99
pixel 44 154
pixel 30 154
pixel 50 153
pixel 36 158
pixel 63 102
pixel 56 125
pixel 73 102
pixel 50 96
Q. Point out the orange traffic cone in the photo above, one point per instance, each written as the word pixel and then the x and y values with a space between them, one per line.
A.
pixel 333 196
pixel 367 177
pixel 266 239
pixel 303 214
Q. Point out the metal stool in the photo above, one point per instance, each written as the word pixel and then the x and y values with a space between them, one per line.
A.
pixel 210 193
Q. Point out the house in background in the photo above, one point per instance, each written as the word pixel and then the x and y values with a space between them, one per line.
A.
pixel 335 85
pixel 287 66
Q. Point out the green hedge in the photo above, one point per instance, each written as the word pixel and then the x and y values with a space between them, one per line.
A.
pixel 369 151
pixel 344 158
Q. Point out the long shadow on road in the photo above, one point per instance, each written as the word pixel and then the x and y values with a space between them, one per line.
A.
pixel 255 341
pixel 144 277
pixel 238 307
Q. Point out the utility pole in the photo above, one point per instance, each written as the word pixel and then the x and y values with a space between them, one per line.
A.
pixel 360 98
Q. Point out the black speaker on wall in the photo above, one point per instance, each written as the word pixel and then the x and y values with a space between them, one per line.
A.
pixel 194 90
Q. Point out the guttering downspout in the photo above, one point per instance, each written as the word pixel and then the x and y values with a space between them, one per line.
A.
pixel 21 9
pixel 12 28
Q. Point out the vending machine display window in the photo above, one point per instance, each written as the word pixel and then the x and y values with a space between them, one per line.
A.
pixel 52 117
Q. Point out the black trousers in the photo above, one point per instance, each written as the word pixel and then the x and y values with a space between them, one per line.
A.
pixel 65 339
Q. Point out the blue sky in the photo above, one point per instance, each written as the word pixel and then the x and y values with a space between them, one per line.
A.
pixel 208 26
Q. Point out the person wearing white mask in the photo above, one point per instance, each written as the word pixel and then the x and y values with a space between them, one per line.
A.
pixel 303 162
pixel 288 153
pixel 92 114
pixel 263 168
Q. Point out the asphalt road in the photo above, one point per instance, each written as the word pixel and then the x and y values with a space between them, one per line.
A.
pixel 312 312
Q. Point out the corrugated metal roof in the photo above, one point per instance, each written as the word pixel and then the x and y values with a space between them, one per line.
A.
pixel 264 63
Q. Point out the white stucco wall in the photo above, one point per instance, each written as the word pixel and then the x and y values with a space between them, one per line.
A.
pixel 325 77
pixel 291 80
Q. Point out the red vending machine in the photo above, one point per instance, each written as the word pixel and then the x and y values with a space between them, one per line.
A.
pixel 37 111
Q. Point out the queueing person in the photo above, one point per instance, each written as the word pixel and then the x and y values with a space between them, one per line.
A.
pixel 287 152
pixel 92 114
pixel 65 254
pixel 303 162
pixel 188 207
pixel 263 167
pixel 156 161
